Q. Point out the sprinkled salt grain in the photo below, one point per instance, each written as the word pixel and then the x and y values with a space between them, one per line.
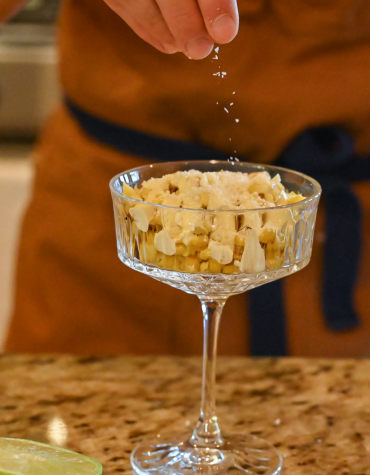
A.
pixel 231 103
pixel 234 92
pixel 226 110
pixel 215 57
pixel 217 49
pixel 236 120
pixel 216 74
pixel 236 159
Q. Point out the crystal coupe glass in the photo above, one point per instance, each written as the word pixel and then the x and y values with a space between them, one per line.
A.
pixel 287 250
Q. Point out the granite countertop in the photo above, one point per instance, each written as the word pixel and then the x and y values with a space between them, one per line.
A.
pixel 317 412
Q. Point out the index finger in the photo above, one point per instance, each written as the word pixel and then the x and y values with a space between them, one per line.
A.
pixel 221 19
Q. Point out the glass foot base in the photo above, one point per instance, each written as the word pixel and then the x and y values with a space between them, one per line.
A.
pixel 246 455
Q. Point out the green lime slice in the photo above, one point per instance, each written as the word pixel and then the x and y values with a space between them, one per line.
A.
pixel 24 457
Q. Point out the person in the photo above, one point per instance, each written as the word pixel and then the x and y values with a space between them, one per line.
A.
pixel 290 84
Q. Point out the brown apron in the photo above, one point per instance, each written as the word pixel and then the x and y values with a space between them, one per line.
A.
pixel 294 64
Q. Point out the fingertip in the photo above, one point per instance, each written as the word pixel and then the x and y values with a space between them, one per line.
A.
pixel 224 29
pixel 170 48
pixel 199 48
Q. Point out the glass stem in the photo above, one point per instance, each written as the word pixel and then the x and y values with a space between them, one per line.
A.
pixel 207 431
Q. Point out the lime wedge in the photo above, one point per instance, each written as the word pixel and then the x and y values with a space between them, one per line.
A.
pixel 24 457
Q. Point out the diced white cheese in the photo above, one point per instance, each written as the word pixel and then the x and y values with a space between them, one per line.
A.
pixel 253 258
pixel 164 243
pixel 219 252
pixel 142 215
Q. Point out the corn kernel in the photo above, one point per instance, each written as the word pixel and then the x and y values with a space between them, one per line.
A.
pixel 149 237
pixel 270 261
pixel 238 252
pixel 199 242
pixel 191 264
pixel 214 266
pixel 229 269
pixel 239 240
pixel 151 254
pixel 190 250
pixel 180 249
pixel 157 220
pixel 169 262
pixel 160 259
pixel 204 267
pixel 178 265
pixel 205 254
pixel 267 235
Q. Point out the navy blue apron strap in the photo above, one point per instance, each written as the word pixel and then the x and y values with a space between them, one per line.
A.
pixel 341 257
pixel 326 153
pixel 138 143
pixel 267 320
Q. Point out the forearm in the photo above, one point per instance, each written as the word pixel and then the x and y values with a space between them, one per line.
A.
pixel 8 8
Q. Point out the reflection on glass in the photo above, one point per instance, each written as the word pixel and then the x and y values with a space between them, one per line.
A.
pixel 57 432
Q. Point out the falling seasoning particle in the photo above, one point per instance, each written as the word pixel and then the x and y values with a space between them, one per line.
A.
pixel 217 103
pixel 236 120
pixel 231 103
pixel 234 92
pixel 216 74
pixel 226 110
pixel 215 57
pixel 217 49
pixel 229 139
pixel 236 159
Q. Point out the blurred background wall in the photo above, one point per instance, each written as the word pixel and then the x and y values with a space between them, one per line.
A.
pixel 28 92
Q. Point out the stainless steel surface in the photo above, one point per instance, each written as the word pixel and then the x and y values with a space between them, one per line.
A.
pixel 29 87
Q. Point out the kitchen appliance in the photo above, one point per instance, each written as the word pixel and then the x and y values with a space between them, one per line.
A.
pixel 29 87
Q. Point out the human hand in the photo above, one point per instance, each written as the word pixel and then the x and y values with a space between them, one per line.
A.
pixel 190 26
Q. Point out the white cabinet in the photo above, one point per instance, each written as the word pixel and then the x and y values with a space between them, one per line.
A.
pixel 15 185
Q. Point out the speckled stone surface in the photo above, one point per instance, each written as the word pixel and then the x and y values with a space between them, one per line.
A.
pixel 317 412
